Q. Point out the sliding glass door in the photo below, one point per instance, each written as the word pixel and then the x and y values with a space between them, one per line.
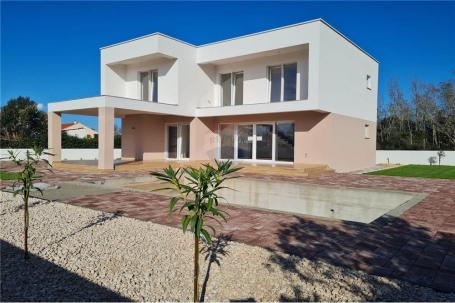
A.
pixel 265 141
pixel 245 141
pixel 178 141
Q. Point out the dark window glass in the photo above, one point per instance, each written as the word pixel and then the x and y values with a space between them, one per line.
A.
pixel 144 77
pixel 185 149
pixel 238 82
pixel 290 81
pixel 226 89
pixel 245 142
pixel 264 141
pixel 284 142
pixel 227 141
pixel 155 86
pixel 172 141
pixel 275 84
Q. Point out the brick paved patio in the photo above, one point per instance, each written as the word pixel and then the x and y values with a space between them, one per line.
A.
pixel 419 246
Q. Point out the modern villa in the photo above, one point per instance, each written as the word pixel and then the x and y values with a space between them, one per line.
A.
pixel 299 94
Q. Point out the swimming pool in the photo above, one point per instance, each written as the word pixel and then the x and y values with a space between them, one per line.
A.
pixel 341 203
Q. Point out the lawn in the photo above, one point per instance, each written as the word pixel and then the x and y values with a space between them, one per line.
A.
pixel 422 171
pixel 6 175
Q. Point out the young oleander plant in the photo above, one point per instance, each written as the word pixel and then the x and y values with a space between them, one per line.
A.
pixel 197 193
pixel 30 173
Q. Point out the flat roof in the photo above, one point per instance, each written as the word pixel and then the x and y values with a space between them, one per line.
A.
pixel 248 35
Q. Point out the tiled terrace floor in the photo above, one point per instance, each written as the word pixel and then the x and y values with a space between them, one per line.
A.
pixel 419 246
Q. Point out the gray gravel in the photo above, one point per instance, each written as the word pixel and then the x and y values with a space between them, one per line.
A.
pixel 80 254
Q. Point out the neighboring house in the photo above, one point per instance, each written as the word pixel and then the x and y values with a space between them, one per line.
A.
pixel 303 93
pixel 77 129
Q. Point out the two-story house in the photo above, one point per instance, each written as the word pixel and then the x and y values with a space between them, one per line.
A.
pixel 303 93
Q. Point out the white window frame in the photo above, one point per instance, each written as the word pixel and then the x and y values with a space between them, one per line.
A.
pixel 179 141
pixel 253 159
pixel 232 87
pixel 269 80
pixel 151 85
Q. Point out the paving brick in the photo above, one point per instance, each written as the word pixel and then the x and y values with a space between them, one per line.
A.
pixel 418 246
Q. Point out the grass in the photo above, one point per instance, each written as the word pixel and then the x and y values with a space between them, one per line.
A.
pixel 420 171
pixel 7 175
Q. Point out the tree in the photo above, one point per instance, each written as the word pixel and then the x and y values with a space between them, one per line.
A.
pixel 447 120
pixel 22 124
pixel 197 190
pixel 29 174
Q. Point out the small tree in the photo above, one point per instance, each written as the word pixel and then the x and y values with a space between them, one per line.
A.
pixel 432 160
pixel 29 174
pixel 441 154
pixel 197 190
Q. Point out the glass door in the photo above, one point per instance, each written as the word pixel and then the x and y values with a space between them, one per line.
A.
pixel 172 136
pixel 245 141
pixel 264 141
pixel 184 141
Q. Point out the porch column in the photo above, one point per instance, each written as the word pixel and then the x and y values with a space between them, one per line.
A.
pixel 54 136
pixel 105 137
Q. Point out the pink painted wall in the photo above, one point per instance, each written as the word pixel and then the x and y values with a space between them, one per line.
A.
pixel 320 138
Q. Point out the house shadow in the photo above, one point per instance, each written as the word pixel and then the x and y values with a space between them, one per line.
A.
pixel 389 247
pixel 37 279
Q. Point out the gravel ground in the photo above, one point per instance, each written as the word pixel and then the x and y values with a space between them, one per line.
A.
pixel 80 254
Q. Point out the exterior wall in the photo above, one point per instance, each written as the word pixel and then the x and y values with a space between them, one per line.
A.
pixel 331 139
pixel 167 79
pixel 412 157
pixel 256 80
pixel 342 77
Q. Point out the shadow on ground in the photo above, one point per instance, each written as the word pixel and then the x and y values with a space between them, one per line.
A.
pixel 213 254
pixel 37 279
pixel 389 246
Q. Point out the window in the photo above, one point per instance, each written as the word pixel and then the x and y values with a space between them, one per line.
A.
pixel 144 85
pixel 154 77
pixel 367 131
pixel 238 88
pixel 283 82
pixel 149 85
pixel 232 89
pixel 226 89
pixel 368 82
pixel 275 84
pixel 284 142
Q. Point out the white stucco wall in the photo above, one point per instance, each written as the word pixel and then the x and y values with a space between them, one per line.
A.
pixel 255 76
pixel 412 156
pixel 342 77
pixel 67 153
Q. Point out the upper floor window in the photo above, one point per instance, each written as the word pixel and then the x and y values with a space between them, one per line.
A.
pixel 232 89
pixel 368 82
pixel 283 82
pixel 149 85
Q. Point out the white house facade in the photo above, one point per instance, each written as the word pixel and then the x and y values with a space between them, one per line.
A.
pixel 303 93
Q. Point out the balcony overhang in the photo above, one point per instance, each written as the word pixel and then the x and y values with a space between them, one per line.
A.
pixel 258 108
pixel 122 106
pixel 228 59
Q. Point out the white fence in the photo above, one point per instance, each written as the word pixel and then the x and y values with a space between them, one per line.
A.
pixel 382 156
pixel 413 156
pixel 67 153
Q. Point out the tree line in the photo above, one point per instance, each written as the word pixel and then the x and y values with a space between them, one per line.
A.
pixel 423 121
pixel 24 125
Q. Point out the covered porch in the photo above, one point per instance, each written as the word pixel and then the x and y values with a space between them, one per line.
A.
pixel 142 122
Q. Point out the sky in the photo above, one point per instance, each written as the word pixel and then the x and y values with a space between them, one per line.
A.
pixel 50 50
